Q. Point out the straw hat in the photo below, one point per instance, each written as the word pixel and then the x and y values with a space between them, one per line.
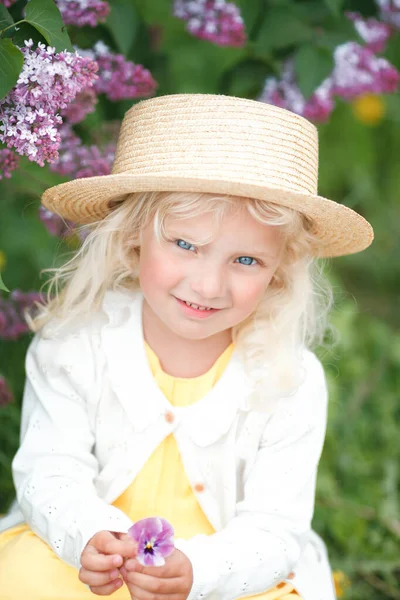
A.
pixel 216 144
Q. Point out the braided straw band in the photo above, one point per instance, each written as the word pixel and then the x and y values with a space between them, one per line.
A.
pixel 216 144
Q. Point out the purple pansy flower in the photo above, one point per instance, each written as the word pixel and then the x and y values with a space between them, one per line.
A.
pixel 155 538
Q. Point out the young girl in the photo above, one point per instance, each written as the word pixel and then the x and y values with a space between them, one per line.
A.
pixel 170 375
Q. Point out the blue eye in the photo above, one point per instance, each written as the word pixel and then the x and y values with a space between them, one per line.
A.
pixel 246 260
pixel 185 245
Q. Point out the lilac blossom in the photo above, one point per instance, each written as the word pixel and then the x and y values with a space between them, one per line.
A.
pixel 286 94
pixel 77 160
pixel 83 104
pixel 6 395
pixel 83 12
pixel 118 78
pixel 54 224
pixel 48 82
pixel 155 539
pixel 358 71
pixel 12 313
pixel 217 21
pixel 8 162
pixel 390 12
pixel 373 32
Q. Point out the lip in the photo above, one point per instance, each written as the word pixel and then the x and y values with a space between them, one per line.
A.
pixel 195 312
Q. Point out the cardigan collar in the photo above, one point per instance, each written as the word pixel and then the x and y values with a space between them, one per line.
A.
pixel 132 381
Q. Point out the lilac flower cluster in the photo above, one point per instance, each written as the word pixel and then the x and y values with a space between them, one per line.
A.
pixel 217 21
pixel 78 160
pixel 374 33
pixel 390 12
pixel 47 83
pixel 357 71
pixel 6 395
pixel 54 224
pixel 12 310
pixel 119 79
pixel 8 162
pixel 83 104
pixel 83 12
pixel 286 94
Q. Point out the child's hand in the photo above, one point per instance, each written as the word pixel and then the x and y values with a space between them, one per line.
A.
pixel 101 558
pixel 174 579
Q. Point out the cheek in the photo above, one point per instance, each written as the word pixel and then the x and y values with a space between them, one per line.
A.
pixel 157 271
pixel 248 296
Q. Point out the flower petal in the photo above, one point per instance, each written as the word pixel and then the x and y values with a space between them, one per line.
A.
pixel 149 528
pixel 153 560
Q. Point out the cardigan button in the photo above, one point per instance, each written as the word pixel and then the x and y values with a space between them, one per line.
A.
pixel 291 575
pixel 199 487
pixel 169 416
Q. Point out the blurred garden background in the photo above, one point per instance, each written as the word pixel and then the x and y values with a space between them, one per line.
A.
pixel 334 61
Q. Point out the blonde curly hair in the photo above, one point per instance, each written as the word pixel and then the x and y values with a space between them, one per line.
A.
pixel 292 314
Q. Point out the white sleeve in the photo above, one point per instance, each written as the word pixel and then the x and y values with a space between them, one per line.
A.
pixel 55 467
pixel 260 546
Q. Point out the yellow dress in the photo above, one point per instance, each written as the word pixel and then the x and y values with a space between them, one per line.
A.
pixel 30 569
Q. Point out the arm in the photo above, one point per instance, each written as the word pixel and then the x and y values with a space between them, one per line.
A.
pixel 262 543
pixel 54 468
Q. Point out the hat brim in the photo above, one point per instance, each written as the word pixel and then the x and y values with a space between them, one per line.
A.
pixel 340 230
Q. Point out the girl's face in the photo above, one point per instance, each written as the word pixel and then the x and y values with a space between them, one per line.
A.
pixel 202 291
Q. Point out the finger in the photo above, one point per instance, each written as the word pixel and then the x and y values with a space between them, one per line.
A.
pixel 139 594
pixel 165 571
pixel 111 545
pixel 93 561
pixel 97 578
pixel 155 585
pixel 106 590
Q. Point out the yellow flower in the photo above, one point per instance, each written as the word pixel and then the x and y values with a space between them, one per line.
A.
pixel 3 260
pixel 369 109
pixel 341 582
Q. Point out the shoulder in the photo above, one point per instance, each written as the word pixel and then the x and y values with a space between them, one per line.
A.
pixel 313 373
pixel 306 408
pixel 77 341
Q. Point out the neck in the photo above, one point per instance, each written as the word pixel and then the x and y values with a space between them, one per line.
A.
pixel 182 357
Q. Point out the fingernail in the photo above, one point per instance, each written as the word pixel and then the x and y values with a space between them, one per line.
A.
pixel 118 584
pixel 117 561
pixel 114 574
pixel 123 572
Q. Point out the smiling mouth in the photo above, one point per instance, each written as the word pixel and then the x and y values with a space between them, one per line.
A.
pixel 198 306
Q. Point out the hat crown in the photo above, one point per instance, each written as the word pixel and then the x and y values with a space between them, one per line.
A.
pixel 219 138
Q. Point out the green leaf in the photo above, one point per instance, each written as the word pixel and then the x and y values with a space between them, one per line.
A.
pixel 24 32
pixel 282 28
pixel 335 6
pixel 245 79
pixel 123 23
pixel 46 18
pixel 368 8
pixel 251 13
pixel 2 285
pixel 312 65
pixel 5 18
pixel 11 61
pixel 338 32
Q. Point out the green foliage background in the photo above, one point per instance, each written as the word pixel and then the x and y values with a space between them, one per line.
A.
pixel 357 507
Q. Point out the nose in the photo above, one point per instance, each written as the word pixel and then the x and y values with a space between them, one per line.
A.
pixel 208 281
